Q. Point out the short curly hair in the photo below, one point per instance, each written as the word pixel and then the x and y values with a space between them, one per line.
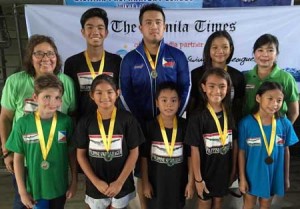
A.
pixel 33 41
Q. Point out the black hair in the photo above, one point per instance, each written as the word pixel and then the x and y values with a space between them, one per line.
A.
pixel 266 39
pixel 166 86
pixel 47 81
pixel 267 86
pixel 94 12
pixel 151 7
pixel 222 74
pixel 207 62
pixel 103 78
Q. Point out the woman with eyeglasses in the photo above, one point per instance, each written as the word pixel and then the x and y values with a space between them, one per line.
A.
pixel 41 57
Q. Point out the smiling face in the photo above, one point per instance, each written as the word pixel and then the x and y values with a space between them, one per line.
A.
pixel 104 96
pixel 94 32
pixel 47 62
pixel 48 100
pixel 270 102
pixel 215 89
pixel 152 27
pixel 265 56
pixel 219 51
pixel 168 102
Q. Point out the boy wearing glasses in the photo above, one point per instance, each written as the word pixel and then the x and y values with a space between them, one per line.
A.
pixel 85 66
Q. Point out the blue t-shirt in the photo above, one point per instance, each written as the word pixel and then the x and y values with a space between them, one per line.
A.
pixel 265 180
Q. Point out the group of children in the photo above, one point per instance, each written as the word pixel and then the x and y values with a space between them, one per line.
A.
pixel 176 157
pixel 204 154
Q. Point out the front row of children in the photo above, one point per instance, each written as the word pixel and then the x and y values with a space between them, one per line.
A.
pixel 175 158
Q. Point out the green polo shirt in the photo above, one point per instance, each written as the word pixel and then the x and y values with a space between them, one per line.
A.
pixel 253 82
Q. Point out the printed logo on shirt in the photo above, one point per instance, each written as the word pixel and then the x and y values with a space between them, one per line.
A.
pixel 85 79
pixel 31 138
pixel 29 105
pixel 168 62
pixel 97 148
pixel 254 141
pixel 213 143
pixel 62 137
pixel 250 86
pixel 159 153
pixel 141 66
pixel 280 141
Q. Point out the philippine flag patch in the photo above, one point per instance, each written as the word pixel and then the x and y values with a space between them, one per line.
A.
pixel 169 63
pixel 62 137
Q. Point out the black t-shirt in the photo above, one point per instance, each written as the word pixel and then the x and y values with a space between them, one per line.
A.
pixel 76 67
pixel 127 135
pixel 215 159
pixel 237 92
pixel 167 175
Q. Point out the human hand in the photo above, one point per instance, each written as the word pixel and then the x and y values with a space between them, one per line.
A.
pixel 102 186
pixel 243 186
pixel 72 190
pixel 113 189
pixel 189 191
pixel 9 163
pixel 287 184
pixel 27 200
pixel 201 188
pixel 147 189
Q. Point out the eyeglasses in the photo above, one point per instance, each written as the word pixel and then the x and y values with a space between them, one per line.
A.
pixel 40 54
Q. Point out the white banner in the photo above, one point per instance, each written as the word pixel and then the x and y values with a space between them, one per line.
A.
pixel 186 30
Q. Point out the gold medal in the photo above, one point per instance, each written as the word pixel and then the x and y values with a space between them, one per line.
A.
pixel 45 149
pixel 153 64
pixel 108 157
pixel 107 138
pixel 45 165
pixel 90 66
pixel 222 134
pixel 269 147
pixel 154 74
pixel 169 148
pixel 170 162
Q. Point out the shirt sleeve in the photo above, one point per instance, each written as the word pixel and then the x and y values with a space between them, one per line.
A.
pixel 15 140
pixel 291 90
pixel 193 132
pixel 125 85
pixel 242 135
pixel 183 81
pixel 9 97
pixel 134 134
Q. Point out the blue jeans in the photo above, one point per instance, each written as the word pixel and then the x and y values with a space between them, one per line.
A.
pixel 17 201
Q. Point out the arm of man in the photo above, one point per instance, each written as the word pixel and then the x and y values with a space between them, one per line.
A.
pixel 183 82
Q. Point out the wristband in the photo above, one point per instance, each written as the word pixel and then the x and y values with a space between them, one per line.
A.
pixel 6 155
pixel 199 181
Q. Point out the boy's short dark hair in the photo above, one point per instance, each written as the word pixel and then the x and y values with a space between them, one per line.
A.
pixel 47 81
pixel 151 7
pixel 94 12
pixel 167 86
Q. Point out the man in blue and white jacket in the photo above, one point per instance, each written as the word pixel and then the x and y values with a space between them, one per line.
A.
pixel 150 64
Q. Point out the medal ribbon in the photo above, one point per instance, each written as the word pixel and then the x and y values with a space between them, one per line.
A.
pixel 169 148
pixel 45 149
pixel 107 140
pixel 269 147
pixel 90 66
pixel 223 134
pixel 152 64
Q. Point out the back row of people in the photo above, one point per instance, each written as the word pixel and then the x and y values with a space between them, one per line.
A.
pixel 152 63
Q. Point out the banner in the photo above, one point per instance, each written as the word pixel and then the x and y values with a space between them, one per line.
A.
pixel 186 30
pixel 246 3
pixel 177 4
